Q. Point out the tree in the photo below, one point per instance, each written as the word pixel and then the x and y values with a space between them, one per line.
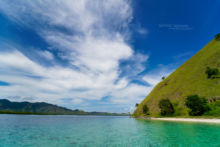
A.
pixel 145 109
pixel 197 105
pixel 163 78
pixel 166 107
pixel 211 72
pixel 217 37
pixel 136 105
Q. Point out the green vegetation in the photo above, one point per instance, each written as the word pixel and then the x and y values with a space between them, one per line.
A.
pixel 8 107
pixel 217 37
pixel 163 78
pixel 145 110
pixel 211 72
pixel 32 108
pixel 214 108
pixel 189 79
pixel 166 107
pixel 136 105
pixel 197 105
pixel 25 113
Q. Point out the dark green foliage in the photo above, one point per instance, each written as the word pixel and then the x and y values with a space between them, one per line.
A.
pixel 217 37
pixel 211 72
pixel 166 107
pixel 214 108
pixel 136 105
pixel 197 105
pixel 163 78
pixel 145 109
pixel 25 113
pixel 26 107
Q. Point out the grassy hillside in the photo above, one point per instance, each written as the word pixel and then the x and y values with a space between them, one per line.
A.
pixel 188 79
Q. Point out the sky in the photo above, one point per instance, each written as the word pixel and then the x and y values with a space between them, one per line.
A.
pixel 98 55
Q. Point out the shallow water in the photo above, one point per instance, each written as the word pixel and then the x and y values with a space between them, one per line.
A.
pixel 92 131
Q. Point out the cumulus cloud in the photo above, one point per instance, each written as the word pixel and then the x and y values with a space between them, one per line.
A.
pixel 92 36
pixel 130 94
pixel 29 79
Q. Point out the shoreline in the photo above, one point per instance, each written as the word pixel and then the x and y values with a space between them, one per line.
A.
pixel 196 120
pixel 25 113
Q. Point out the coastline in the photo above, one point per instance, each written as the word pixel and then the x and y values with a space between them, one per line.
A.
pixel 200 120
pixel 85 114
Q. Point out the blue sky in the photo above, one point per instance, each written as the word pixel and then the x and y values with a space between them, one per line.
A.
pixel 99 55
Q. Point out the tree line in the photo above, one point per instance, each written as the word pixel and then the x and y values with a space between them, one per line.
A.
pixel 197 106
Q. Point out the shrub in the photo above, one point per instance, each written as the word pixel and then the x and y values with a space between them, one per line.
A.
pixel 145 109
pixel 217 37
pixel 197 105
pixel 163 78
pixel 211 72
pixel 166 107
pixel 136 105
pixel 214 108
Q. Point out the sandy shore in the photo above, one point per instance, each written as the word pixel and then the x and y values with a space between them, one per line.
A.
pixel 202 120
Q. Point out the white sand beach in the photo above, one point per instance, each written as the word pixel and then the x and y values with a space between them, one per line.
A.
pixel 202 120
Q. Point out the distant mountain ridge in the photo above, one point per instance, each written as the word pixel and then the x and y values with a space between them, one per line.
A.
pixel 9 107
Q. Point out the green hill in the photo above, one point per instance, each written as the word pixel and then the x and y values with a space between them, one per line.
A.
pixel 8 107
pixel 38 108
pixel 189 79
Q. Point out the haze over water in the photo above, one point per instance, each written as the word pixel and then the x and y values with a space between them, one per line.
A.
pixel 90 131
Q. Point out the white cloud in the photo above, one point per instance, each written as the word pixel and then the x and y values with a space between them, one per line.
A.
pixel 136 64
pixel 90 35
pixel 142 31
pixel 46 54
pixel 155 76
pixel 130 94
pixel 58 82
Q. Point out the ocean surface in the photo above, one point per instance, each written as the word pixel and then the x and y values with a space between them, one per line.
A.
pixel 103 131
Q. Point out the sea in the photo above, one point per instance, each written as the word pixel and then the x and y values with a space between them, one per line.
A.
pixel 103 131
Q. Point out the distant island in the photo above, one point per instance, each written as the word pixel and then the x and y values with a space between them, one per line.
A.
pixel 42 108
pixel 192 90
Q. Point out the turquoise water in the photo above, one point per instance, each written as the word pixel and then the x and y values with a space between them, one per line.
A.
pixel 102 131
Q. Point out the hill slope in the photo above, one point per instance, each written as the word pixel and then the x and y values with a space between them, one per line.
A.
pixel 9 107
pixel 26 107
pixel 188 79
